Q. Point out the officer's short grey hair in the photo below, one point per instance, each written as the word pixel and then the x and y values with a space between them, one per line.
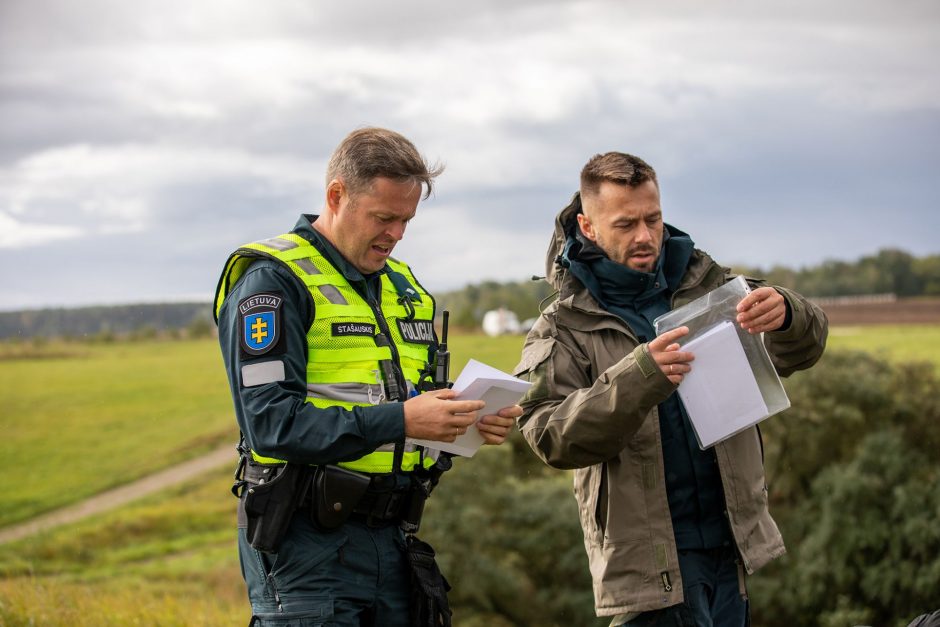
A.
pixel 370 153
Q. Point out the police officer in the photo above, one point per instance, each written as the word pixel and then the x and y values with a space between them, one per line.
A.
pixel 326 339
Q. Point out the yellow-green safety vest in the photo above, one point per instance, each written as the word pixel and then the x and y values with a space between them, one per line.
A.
pixel 343 358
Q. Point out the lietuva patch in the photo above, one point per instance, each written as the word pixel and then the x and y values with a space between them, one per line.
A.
pixel 260 321
pixel 353 328
pixel 417 331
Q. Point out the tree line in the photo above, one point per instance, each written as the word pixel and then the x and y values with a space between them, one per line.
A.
pixel 889 271
pixel 106 323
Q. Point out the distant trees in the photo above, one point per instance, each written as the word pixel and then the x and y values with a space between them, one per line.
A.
pixel 889 271
pixel 467 306
pixel 108 323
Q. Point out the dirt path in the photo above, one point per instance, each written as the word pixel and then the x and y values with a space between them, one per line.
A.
pixel 119 496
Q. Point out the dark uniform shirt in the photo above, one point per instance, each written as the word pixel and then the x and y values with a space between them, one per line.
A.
pixel 273 415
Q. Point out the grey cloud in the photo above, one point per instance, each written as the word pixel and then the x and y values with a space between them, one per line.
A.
pixel 773 126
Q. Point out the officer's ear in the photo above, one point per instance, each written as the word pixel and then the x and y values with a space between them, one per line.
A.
pixel 335 192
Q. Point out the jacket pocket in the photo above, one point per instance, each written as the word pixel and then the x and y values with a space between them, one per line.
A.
pixel 534 354
pixel 313 611
pixel 305 553
pixel 531 369
pixel 591 507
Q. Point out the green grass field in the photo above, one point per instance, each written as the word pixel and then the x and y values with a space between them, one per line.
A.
pixel 81 418
pixel 897 343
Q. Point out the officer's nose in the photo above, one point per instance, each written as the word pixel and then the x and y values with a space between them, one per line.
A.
pixel 396 230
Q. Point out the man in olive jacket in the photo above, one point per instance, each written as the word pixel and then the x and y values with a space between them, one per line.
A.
pixel 670 529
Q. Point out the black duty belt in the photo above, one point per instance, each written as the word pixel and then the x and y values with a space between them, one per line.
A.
pixel 381 506
pixel 382 503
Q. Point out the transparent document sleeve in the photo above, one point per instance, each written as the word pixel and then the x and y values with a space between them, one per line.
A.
pixel 733 384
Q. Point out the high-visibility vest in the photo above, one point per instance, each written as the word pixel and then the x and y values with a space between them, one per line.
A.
pixel 345 345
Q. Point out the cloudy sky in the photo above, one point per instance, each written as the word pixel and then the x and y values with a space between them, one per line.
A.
pixel 140 142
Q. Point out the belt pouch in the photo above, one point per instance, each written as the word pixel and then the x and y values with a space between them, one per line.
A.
pixel 429 605
pixel 270 506
pixel 336 491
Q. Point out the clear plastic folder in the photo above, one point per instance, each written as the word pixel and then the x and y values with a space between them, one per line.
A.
pixel 733 384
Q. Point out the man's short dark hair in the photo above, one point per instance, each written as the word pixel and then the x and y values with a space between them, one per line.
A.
pixel 616 167
pixel 370 153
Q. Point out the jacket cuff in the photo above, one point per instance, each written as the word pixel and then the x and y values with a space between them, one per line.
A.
pixel 384 423
pixel 645 361
pixel 795 311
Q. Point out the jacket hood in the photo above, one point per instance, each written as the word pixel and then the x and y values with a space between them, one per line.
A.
pixel 566 226
pixel 565 223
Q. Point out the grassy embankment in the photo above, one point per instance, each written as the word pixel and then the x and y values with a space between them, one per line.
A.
pixel 80 418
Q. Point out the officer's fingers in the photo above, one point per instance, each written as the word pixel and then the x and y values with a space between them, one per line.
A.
pixel 463 420
pixel 463 407
pixel 493 438
pixel 662 342
pixel 512 412
pixel 445 394
pixel 493 432
pixel 496 421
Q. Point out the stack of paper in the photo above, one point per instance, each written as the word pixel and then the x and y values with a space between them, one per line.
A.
pixel 477 381
pixel 720 393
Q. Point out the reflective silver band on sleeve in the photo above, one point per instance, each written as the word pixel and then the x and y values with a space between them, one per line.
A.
pixel 263 373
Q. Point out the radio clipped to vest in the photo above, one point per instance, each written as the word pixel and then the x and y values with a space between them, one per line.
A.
pixel 437 375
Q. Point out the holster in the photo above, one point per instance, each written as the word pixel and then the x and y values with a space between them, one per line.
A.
pixel 422 483
pixel 335 492
pixel 270 505
pixel 429 606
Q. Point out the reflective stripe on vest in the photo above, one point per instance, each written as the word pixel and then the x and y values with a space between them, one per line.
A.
pixel 345 369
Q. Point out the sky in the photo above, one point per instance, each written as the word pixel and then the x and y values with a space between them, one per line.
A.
pixel 141 142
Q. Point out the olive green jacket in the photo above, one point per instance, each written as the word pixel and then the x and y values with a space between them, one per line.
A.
pixel 593 408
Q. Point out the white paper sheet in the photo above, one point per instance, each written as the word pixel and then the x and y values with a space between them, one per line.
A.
pixel 477 381
pixel 720 393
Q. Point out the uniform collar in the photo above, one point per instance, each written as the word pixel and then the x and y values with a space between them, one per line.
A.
pixel 304 228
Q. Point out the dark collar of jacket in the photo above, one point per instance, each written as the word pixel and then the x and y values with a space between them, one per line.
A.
pixel 583 308
pixel 620 288
pixel 361 282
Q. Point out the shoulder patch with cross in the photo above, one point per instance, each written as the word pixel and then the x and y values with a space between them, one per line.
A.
pixel 259 318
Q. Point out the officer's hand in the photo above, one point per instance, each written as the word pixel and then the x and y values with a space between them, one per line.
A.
pixel 764 309
pixel 495 428
pixel 673 362
pixel 435 416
